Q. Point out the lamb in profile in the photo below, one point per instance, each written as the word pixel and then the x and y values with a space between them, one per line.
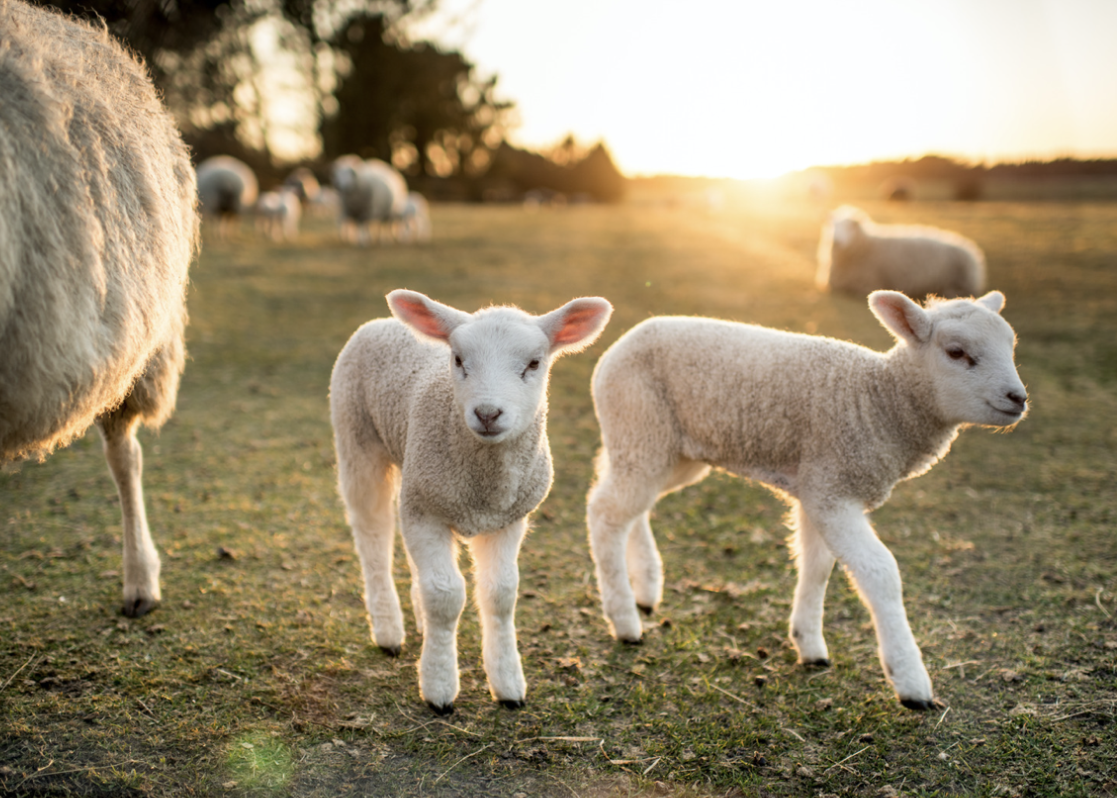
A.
pixel 830 426
pixel 856 255
pixel 373 194
pixel 444 413
pixel 277 214
pixel 227 189
pixel 97 230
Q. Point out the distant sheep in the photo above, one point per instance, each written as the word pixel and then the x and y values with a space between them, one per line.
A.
pixel 305 185
pixel 856 255
pixel 277 214
pixel 444 414
pixel 373 195
pixel 415 221
pixel 97 230
pixel 830 426
pixel 227 189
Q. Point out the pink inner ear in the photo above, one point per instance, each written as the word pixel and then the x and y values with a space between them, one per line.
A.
pixel 419 316
pixel 577 324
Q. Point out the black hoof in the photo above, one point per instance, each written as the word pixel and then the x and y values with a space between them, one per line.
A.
pixel 637 642
pixel 441 711
pixel 509 703
pixel 817 663
pixel 918 704
pixel 137 608
pixel 391 651
pixel 645 609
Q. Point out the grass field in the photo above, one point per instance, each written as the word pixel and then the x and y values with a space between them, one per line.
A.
pixel 257 675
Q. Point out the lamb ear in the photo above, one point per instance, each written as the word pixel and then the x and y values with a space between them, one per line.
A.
pixel 576 324
pixel 994 300
pixel 424 316
pixel 900 316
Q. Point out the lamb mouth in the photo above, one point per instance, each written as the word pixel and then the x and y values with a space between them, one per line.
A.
pixel 1013 414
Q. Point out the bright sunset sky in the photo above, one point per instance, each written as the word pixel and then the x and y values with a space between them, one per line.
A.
pixel 756 88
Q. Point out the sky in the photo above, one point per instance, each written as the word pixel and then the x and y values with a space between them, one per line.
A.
pixel 758 88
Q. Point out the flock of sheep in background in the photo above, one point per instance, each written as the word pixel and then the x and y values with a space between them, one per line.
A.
pixel 94 254
pixel 369 197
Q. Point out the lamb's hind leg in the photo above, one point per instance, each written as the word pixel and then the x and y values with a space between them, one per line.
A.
pixel 873 571
pixel 814 562
pixel 141 560
pixel 497 578
pixel 369 482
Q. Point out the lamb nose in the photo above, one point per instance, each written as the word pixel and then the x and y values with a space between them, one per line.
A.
pixel 1016 399
pixel 487 416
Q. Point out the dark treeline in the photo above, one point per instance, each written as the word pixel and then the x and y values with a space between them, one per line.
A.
pixel 367 89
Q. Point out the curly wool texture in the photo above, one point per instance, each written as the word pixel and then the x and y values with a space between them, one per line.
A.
pixel 97 230
pixel 857 256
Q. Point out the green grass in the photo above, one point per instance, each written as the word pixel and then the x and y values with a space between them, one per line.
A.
pixel 257 675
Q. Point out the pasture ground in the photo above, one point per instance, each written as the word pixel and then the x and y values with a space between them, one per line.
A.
pixel 257 676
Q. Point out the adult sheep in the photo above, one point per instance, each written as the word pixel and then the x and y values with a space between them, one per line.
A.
pixel 445 414
pixel 828 425
pixel 373 194
pixel 856 255
pixel 97 230
pixel 227 189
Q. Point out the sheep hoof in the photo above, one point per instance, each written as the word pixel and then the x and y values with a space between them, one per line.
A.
pixel 919 704
pixel 646 609
pixel 636 641
pixel 512 703
pixel 391 651
pixel 817 663
pixel 138 607
pixel 441 710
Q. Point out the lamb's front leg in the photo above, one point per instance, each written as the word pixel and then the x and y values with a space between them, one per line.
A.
pixel 141 560
pixel 433 553
pixel 873 570
pixel 814 561
pixel 497 578
pixel 645 566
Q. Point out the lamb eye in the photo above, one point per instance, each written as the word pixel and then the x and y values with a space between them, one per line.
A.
pixel 958 353
pixel 532 366
pixel 458 361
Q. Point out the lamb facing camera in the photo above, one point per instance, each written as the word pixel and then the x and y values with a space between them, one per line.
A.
pixel 444 414
pixel 830 426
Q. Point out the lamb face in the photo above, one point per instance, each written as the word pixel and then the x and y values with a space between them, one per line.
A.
pixel 500 380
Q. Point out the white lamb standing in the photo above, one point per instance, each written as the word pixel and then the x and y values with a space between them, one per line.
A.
pixel 444 413
pixel 97 230
pixel 278 213
pixel 830 426
pixel 227 189
pixel 373 194
pixel 415 221
pixel 856 255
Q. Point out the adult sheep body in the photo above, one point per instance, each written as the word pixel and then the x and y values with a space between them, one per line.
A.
pixel 97 230
pixel 227 189
pixel 829 425
pixel 857 256
pixel 373 195
pixel 444 414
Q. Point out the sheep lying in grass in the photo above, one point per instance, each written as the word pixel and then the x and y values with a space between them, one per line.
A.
pixel 445 412
pixel 829 425
pixel 227 189
pixel 373 194
pixel 277 214
pixel 857 256
pixel 97 231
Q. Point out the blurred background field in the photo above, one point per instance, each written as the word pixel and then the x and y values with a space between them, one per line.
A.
pixel 257 676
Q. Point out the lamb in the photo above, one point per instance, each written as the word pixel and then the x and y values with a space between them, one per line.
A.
pixel 415 220
pixel 857 256
pixel 277 214
pixel 830 426
pixel 372 193
pixel 98 227
pixel 227 189
pixel 444 413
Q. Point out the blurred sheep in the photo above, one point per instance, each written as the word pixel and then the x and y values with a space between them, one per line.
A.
pixel 277 214
pixel 227 189
pixel 415 222
pixel 373 194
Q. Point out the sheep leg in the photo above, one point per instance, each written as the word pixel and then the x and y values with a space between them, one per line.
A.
pixel 368 482
pixel 442 588
pixel 416 594
pixel 645 566
pixel 873 571
pixel 141 560
pixel 497 579
pixel 814 561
